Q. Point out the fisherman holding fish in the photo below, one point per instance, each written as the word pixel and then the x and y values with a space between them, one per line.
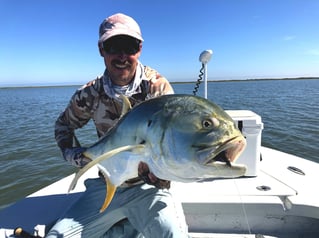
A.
pixel 142 206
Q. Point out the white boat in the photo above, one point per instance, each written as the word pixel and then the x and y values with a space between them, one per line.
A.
pixel 277 198
pixel 281 201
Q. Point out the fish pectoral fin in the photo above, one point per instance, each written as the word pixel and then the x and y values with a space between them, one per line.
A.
pixel 110 191
pixel 101 158
pixel 126 106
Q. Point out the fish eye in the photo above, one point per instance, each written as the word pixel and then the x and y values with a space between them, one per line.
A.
pixel 207 123
pixel 210 123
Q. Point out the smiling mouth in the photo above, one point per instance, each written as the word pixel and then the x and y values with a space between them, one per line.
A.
pixel 121 65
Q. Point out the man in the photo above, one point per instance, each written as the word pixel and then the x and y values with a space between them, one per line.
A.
pixel 140 208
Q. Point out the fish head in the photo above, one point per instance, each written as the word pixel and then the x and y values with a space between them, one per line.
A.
pixel 199 140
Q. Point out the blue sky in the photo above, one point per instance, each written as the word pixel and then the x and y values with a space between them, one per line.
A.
pixel 53 42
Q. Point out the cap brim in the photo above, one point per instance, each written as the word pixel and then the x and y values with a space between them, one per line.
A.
pixel 116 32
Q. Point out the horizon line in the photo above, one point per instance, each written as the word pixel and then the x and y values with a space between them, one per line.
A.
pixel 172 82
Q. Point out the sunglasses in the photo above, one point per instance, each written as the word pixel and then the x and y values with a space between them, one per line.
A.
pixel 121 44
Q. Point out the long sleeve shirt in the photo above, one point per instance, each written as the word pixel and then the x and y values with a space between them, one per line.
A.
pixel 93 102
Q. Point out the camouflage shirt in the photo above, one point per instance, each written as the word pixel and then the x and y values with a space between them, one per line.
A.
pixel 92 102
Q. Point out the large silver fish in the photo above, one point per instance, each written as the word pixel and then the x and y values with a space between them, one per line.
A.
pixel 181 138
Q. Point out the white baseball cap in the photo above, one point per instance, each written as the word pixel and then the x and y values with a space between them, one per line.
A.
pixel 119 24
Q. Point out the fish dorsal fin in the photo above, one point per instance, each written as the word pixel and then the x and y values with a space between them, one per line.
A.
pixel 126 105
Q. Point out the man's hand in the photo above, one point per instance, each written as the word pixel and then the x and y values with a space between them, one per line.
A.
pixel 75 156
pixel 160 86
pixel 149 178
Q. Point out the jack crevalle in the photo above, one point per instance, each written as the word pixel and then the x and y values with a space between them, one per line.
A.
pixel 181 138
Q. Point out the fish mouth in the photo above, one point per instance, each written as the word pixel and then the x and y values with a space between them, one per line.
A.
pixel 227 152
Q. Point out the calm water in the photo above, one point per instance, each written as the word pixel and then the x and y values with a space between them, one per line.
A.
pixel 30 159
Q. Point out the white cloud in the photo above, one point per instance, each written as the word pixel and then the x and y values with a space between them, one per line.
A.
pixel 288 38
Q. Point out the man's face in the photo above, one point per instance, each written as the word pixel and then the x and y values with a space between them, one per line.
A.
pixel 121 54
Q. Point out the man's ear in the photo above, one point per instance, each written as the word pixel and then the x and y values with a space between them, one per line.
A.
pixel 141 46
pixel 100 48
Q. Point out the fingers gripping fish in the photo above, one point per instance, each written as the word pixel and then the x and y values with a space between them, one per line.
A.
pixel 181 138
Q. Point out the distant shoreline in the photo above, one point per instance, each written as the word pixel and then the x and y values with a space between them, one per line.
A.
pixel 241 80
pixel 172 82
